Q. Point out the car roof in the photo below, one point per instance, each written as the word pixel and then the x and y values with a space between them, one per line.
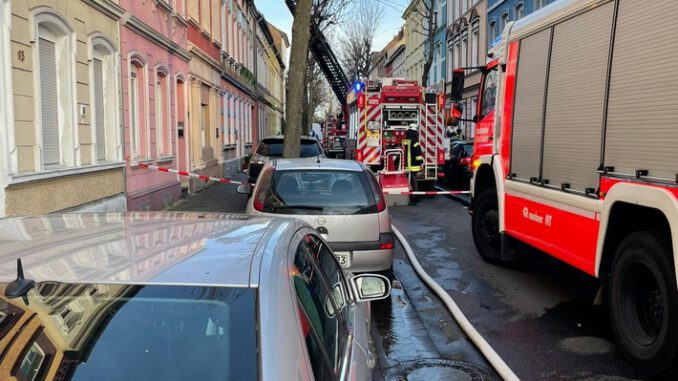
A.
pixel 317 163
pixel 139 247
pixel 282 137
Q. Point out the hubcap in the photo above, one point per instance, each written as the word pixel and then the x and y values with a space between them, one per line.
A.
pixel 642 304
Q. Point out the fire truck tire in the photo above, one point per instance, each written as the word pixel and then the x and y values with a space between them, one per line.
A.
pixel 485 226
pixel 644 302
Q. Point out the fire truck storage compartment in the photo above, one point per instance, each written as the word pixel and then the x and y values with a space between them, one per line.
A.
pixel 529 105
pixel 576 98
pixel 642 124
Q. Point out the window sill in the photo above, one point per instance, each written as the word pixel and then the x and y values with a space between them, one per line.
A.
pixel 60 172
pixel 164 159
pixel 229 147
pixel 135 163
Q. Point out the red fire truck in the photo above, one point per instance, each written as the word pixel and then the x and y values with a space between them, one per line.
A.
pixel 379 113
pixel 576 154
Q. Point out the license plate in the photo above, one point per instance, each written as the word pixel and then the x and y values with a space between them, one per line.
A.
pixel 343 260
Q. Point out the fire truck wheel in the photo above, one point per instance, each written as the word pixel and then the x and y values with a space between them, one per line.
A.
pixel 644 302
pixel 485 226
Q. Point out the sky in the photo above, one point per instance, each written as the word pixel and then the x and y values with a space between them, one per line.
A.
pixel 276 13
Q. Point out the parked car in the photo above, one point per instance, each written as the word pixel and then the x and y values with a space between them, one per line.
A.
pixel 458 171
pixel 180 296
pixel 273 147
pixel 337 147
pixel 340 198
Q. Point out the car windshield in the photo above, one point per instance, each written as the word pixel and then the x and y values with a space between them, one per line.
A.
pixel 274 148
pixel 319 192
pixel 130 332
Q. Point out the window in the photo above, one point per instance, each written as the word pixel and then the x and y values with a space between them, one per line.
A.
pixel 162 126
pixel 31 363
pixel 489 98
pixel 205 115
pixel 538 4
pixel 475 46
pixel 464 50
pixel 503 21
pixel 518 11
pixel 493 30
pixel 54 62
pixel 137 106
pixel 321 301
pixel 181 107
pixel 104 99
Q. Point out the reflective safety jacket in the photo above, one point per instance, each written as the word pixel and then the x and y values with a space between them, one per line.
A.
pixel 414 158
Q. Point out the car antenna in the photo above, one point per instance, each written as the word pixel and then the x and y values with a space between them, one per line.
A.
pixel 20 286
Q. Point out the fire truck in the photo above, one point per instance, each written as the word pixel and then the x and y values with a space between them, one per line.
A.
pixel 576 155
pixel 379 113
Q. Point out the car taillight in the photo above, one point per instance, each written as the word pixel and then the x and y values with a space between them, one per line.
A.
pixel 359 156
pixel 386 245
pixel 259 159
pixel 465 161
pixel 261 189
pixel 441 157
pixel 376 189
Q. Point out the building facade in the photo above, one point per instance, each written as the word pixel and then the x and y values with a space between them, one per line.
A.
pixel 270 70
pixel 467 48
pixel 154 79
pixel 383 61
pixel 500 12
pixel 437 73
pixel 413 67
pixel 61 141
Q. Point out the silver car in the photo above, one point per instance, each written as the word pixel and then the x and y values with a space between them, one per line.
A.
pixel 180 296
pixel 340 198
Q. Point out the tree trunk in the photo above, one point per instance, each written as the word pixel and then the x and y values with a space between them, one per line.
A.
pixel 301 34
pixel 306 116
pixel 431 45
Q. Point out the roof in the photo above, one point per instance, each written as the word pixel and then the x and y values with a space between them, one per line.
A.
pixel 312 163
pixel 136 248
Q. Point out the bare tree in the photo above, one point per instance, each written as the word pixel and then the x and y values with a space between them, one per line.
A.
pixel 428 26
pixel 311 17
pixel 301 34
pixel 357 38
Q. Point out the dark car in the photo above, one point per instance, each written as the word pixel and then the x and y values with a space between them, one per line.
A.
pixel 458 170
pixel 273 147
pixel 336 147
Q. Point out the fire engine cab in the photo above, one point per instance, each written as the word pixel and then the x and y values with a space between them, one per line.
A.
pixel 576 154
pixel 379 113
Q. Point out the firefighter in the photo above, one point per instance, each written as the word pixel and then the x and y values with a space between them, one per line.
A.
pixel 413 157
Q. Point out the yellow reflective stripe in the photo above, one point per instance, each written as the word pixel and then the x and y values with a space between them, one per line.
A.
pixel 419 158
pixel 416 144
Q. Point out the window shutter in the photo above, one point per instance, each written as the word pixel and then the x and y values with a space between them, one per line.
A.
pixel 48 103
pixel 99 109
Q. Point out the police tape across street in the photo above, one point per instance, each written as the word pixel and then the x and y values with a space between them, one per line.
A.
pixel 223 180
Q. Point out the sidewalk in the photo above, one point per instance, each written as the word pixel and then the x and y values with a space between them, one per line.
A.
pixel 216 197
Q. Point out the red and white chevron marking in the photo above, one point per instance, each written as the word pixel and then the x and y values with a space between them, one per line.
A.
pixel 425 193
pixel 193 175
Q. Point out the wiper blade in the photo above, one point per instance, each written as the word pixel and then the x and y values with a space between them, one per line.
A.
pixel 306 207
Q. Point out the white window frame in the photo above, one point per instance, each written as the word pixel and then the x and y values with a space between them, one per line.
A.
pixel 47 23
pixel 492 25
pixel 179 77
pixel 34 348
pixel 135 145
pixel 8 152
pixel 519 7
pixel 163 131
pixel 102 48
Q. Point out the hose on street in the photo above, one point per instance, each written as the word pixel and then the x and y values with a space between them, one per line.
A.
pixel 483 346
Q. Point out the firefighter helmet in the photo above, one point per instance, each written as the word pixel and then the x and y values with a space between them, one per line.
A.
pixel 412 127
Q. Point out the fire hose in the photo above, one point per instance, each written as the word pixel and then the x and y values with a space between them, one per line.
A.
pixel 483 346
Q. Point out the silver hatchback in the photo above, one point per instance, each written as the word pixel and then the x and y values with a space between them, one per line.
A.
pixel 340 198
pixel 175 297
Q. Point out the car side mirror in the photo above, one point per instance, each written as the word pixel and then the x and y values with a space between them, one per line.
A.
pixel 369 287
pixel 244 189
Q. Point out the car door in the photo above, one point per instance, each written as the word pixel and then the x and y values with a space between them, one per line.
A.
pixel 327 314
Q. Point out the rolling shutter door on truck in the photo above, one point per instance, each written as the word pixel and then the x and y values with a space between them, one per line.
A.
pixel 642 124
pixel 529 105
pixel 576 98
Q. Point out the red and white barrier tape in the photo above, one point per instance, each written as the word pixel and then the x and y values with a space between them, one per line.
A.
pixel 426 193
pixel 194 175
pixel 230 181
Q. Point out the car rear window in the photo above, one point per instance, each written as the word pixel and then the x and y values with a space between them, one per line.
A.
pixel 130 332
pixel 319 192
pixel 274 148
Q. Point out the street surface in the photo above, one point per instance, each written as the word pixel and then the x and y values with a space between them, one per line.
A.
pixel 537 314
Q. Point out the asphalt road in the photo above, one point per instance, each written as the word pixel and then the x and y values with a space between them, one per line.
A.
pixel 538 314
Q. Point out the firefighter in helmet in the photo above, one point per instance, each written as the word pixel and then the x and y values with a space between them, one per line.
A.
pixel 413 156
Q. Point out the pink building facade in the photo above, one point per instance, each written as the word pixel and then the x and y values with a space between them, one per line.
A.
pixel 154 65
